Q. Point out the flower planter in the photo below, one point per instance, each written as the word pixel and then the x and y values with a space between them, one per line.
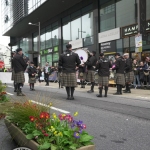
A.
pixel 21 140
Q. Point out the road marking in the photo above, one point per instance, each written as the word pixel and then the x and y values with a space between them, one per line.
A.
pixel 9 93
pixel 54 108
pixel 142 97
pixel 10 86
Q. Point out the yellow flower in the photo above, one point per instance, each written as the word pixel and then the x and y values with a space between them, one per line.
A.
pixel 60 134
pixel 63 115
pixel 54 116
pixel 76 114
pixel 50 104
pixel 29 101
pixel 55 132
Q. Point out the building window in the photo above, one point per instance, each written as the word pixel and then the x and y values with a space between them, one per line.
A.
pixel 49 59
pixel 125 12
pixel 55 40
pixel 48 38
pixel 24 44
pixel 107 16
pixel 147 9
pixel 35 42
pixel 76 29
pixel 66 33
pixel 42 39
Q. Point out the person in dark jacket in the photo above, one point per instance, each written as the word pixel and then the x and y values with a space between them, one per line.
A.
pixel 91 64
pixel 47 70
pixel 119 77
pixel 103 66
pixel 32 73
pixel 82 74
pixel 39 72
pixel 129 74
pixel 13 73
pixel 68 62
pixel 19 66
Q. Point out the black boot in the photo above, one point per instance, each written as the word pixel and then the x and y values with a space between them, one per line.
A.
pixel 68 93
pixel 100 92
pixel 92 88
pixel 33 87
pixel 127 89
pixel 72 92
pixel 81 83
pixel 121 89
pixel 118 90
pixel 106 89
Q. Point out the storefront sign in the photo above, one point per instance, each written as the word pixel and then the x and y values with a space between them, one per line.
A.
pixel 138 49
pixel 56 49
pixel 50 50
pixel 133 29
pixel 77 43
pixel 138 40
pixel 110 35
pixel 108 47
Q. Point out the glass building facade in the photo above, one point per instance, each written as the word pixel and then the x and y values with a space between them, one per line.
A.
pixel 83 21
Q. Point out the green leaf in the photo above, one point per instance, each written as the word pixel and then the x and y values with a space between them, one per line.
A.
pixel 53 147
pixel 44 146
pixel 85 138
pixel 73 147
pixel 29 136
pixel 36 133
pixel 67 133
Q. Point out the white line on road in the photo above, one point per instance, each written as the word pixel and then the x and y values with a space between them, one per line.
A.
pixel 10 86
pixel 54 108
pixel 9 93
pixel 142 97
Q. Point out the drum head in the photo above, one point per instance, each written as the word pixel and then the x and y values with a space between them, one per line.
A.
pixel 83 55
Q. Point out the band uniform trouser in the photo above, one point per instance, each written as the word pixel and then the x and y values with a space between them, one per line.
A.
pixel 82 75
pixel 120 79
pixel 129 77
pixel 32 80
pixel 19 77
pixel 90 76
pixel 13 75
pixel 69 80
pixel 103 81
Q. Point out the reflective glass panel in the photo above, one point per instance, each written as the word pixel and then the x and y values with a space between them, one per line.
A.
pixel 76 29
pixel 48 38
pixel 35 44
pixel 107 16
pixel 55 37
pixel 125 12
pixel 147 9
pixel 42 39
pixel 66 33
pixel 87 25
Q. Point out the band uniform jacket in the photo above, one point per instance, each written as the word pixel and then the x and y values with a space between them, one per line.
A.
pixel 128 66
pixel 103 67
pixel 18 63
pixel 31 70
pixel 68 61
pixel 91 63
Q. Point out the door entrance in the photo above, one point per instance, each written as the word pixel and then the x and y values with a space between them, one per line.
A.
pixel 35 60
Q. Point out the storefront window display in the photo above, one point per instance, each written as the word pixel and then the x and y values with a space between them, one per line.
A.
pixel 35 42
pixel 49 59
pixel 43 61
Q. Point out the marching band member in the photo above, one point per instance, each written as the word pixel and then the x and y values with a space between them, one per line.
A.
pixel 68 61
pixel 119 77
pixel 82 74
pixel 129 75
pixel 32 72
pixel 91 63
pixel 103 67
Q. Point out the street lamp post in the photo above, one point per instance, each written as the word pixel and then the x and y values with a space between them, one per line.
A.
pixel 39 40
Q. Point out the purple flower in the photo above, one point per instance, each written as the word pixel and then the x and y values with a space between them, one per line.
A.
pixel 81 58
pixel 76 135
pixel 79 123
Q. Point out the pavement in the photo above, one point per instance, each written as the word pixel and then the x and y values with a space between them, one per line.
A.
pixel 116 122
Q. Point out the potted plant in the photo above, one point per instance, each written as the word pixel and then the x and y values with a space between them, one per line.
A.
pixel 32 126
